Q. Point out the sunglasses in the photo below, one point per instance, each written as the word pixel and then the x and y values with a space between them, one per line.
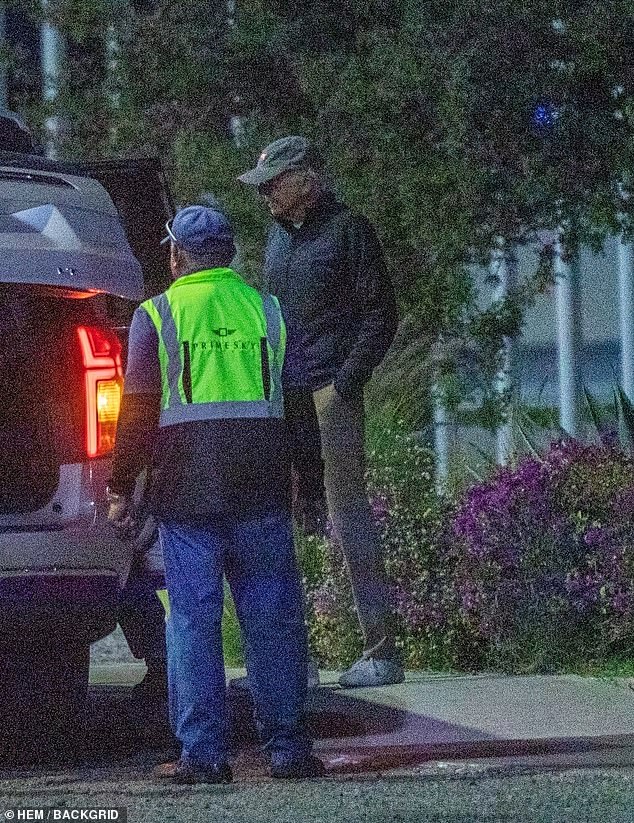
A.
pixel 170 234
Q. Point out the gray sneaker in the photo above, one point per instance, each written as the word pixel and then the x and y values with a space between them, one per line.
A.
pixel 372 671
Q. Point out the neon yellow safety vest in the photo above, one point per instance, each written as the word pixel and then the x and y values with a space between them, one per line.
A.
pixel 221 348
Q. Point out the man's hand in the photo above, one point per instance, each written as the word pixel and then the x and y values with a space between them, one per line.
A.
pixel 121 514
pixel 147 533
pixel 310 515
pixel 147 555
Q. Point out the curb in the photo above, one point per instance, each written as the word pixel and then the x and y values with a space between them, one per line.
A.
pixel 388 758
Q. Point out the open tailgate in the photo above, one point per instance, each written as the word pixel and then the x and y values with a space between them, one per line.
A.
pixel 66 232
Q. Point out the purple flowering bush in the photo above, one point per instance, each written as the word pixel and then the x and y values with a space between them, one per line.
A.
pixel 543 558
pixel 532 570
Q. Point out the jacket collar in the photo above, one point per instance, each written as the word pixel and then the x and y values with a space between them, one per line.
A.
pixel 204 276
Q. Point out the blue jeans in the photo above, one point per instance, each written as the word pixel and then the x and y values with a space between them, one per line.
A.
pixel 258 559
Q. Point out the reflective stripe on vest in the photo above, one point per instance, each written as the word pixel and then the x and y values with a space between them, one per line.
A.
pixel 211 371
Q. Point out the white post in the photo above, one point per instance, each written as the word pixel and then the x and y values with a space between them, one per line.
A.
pixel 626 308
pixel 237 122
pixel 113 80
pixel 52 56
pixel 4 83
pixel 503 268
pixel 237 126
pixel 569 336
pixel 445 435
pixel 442 444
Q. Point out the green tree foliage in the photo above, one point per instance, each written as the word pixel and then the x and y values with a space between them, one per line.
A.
pixel 452 124
pixel 449 124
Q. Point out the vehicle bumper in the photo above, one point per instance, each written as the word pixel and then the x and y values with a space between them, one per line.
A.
pixel 57 608
pixel 83 546
pixel 62 568
pixel 60 586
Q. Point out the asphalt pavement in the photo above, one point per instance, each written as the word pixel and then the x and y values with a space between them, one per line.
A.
pixel 547 720
pixel 435 748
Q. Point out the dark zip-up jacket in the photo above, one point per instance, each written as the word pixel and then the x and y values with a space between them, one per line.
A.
pixel 338 302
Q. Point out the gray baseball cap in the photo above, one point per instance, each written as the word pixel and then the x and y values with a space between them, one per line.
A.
pixel 285 154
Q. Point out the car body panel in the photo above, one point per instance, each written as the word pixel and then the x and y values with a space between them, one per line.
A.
pixel 62 230
pixel 80 230
pixel 139 190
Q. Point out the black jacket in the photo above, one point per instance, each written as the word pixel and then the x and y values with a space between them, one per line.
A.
pixel 218 468
pixel 336 296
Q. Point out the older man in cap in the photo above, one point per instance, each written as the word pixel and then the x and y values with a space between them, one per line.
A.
pixel 325 264
pixel 203 395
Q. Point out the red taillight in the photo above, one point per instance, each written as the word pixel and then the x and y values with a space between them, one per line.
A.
pixel 101 356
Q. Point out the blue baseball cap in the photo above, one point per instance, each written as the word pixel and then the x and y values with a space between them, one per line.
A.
pixel 199 230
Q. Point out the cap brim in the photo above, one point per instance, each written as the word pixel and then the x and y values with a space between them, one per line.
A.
pixel 255 176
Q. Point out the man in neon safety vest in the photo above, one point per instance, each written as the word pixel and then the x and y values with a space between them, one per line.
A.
pixel 203 396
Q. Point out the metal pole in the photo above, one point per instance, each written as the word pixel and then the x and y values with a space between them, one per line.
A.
pixel 442 444
pixel 52 56
pixel 626 308
pixel 569 336
pixel 113 81
pixel 503 268
pixel 4 80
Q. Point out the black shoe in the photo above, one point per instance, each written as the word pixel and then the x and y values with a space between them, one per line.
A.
pixel 186 773
pixel 309 766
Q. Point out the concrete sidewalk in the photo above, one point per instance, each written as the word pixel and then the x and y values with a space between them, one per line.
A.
pixel 430 718
pixel 558 719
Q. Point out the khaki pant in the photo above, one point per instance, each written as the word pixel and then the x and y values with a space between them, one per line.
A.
pixel 341 426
